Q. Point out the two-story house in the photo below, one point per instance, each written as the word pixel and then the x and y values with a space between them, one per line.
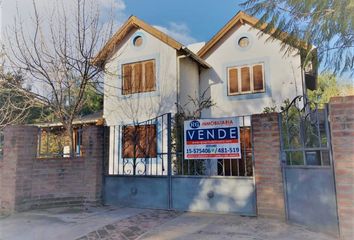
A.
pixel 148 73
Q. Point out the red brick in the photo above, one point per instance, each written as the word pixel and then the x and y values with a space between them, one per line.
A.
pixel 342 132
pixel 42 181
pixel 269 183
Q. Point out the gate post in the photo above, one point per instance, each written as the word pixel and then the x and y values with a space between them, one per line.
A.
pixel 20 149
pixel 267 164
pixel 341 113
pixel 169 159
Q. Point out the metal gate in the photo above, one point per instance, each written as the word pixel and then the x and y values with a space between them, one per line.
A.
pixel 307 166
pixel 147 170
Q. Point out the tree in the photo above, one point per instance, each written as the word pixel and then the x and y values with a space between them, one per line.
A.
pixel 16 104
pixel 329 86
pixel 328 25
pixel 57 56
pixel 192 109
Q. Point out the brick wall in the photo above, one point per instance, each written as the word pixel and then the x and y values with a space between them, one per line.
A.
pixel 1 195
pixel 269 182
pixel 341 110
pixel 28 182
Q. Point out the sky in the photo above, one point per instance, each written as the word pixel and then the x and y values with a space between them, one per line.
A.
pixel 188 21
pixel 198 19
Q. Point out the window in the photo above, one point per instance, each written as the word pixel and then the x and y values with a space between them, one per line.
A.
pixel 243 42
pixel 55 142
pixel 138 41
pixel 246 79
pixel 139 141
pixel 138 77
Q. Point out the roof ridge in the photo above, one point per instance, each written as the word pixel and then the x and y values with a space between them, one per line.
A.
pixel 136 22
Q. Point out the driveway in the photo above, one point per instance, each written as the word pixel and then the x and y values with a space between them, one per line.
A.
pixel 127 223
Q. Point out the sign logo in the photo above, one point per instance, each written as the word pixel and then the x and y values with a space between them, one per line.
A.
pixel 194 124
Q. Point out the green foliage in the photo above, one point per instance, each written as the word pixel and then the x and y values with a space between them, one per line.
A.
pixel 191 110
pixel 92 102
pixel 275 108
pixel 326 24
pixel 17 105
pixel 329 86
pixel 270 109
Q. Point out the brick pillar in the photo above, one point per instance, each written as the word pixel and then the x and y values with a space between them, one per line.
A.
pixel 341 111
pixel 268 174
pixel 19 152
pixel 93 152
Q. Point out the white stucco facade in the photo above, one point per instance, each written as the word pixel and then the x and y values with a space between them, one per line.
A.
pixel 126 109
pixel 180 75
pixel 282 74
pixel 188 83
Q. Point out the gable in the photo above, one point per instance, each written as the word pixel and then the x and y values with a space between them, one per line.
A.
pixel 237 21
pixel 134 23
pixel 131 24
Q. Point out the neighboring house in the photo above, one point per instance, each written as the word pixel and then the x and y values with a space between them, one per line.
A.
pixel 54 141
pixel 148 73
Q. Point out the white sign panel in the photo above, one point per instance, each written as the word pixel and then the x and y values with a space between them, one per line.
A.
pixel 212 139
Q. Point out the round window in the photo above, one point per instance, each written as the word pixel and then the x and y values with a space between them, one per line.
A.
pixel 243 42
pixel 138 41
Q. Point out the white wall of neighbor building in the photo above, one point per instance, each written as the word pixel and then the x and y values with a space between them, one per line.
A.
pixel 126 109
pixel 283 75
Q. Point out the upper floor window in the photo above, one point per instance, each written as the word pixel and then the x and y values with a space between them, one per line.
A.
pixel 246 79
pixel 243 42
pixel 138 77
pixel 138 41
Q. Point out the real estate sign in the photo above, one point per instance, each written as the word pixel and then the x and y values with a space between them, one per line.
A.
pixel 212 139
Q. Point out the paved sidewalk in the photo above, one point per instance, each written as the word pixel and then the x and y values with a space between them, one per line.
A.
pixel 60 223
pixel 126 223
pixel 132 227
pixel 196 226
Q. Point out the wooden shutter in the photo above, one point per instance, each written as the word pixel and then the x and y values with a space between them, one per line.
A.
pixel 127 79
pixel 149 76
pixel 245 79
pixel 258 78
pixel 147 141
pixel 137 85
pixel 233 80
pixel 128 141
pixel 140 141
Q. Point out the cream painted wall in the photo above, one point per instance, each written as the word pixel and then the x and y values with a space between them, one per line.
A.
pixel 135 108
pixel 120 109
pixel 282 74
pixel 188 83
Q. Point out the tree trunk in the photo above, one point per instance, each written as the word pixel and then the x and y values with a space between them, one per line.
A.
pixel 70 134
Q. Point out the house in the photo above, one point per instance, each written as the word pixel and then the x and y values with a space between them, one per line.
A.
pixel 148 73
pixel 53 140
